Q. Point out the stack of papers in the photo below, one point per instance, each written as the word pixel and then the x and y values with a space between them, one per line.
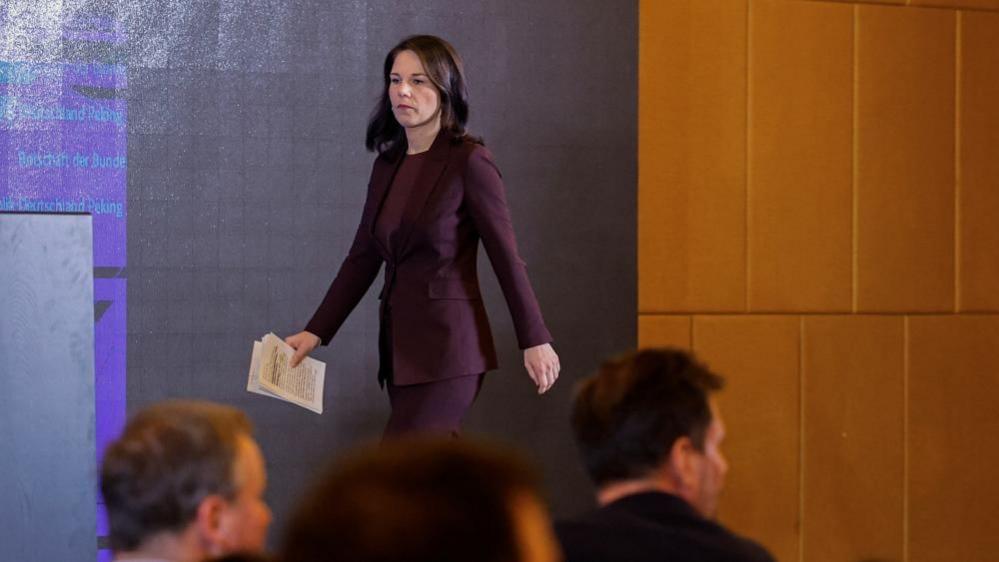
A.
pixel 270 374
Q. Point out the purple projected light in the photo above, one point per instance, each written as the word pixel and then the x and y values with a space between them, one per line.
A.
pixel 63 149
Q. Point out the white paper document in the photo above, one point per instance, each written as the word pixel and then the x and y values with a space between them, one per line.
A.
pixel 271 375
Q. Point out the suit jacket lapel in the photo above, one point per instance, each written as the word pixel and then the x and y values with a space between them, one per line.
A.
pixel 430 174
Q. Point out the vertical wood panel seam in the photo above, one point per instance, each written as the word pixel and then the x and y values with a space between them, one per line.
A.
pixel 856 149
pixel 690 333
pixel 905 438
pixel 957 161
pixel 693 339
pixel 748 123
pixel 801 438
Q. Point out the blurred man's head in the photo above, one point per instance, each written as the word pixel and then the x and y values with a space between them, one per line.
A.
pixel 423 500
pixel 646 421
pixel 185 481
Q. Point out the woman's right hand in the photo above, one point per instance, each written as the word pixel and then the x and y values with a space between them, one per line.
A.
pixel 303 343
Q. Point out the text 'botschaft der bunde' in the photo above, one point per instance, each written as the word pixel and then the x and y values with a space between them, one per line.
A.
pixel 41 159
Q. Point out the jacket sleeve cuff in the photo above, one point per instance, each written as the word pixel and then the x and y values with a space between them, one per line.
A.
pixel 324 336
pixel 540 338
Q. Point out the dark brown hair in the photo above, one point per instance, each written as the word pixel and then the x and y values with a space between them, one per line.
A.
pixel 170 457
pixel 627 416
pixel 444 70
pixel 413 500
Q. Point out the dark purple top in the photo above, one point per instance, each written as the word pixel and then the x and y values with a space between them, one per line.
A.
pixel 390 217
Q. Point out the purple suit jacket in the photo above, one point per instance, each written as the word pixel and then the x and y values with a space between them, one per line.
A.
pixel 439 327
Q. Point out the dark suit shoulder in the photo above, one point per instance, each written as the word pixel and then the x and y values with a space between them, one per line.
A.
pixel 463 149
pixel 635 533
pixel 478 159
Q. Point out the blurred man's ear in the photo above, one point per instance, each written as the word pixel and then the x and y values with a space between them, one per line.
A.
pixel 682 464
pixel 208 521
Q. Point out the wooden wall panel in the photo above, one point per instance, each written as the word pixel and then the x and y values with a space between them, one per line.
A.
pixel 664 331
pixel 801 157
pixel 852 377
pixel 978 191
pixel 890 2
pixel 953 423
pixel 905 159
pixel 692 156
pixel 968 4
pixel 758 356
pixel 823 158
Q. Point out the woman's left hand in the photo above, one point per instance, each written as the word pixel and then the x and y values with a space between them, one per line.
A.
pixel 542 365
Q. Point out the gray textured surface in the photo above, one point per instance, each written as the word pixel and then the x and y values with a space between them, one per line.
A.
pixel 47 455
pixel 247 175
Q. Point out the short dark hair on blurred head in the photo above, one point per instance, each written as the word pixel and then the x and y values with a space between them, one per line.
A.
pixel 413 500
pixel 627 416
pixel 169 458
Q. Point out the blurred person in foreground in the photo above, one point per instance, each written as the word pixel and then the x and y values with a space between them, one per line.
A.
pixel 650 435
pixel 423 500
pixel 185 482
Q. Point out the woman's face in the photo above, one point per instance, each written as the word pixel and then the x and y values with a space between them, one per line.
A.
pixel 415 100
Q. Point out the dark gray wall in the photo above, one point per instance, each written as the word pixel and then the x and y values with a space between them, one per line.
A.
pixel 246 179
pixel 47 450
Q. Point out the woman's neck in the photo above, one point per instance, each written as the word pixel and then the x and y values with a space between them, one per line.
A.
pixel 419 138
